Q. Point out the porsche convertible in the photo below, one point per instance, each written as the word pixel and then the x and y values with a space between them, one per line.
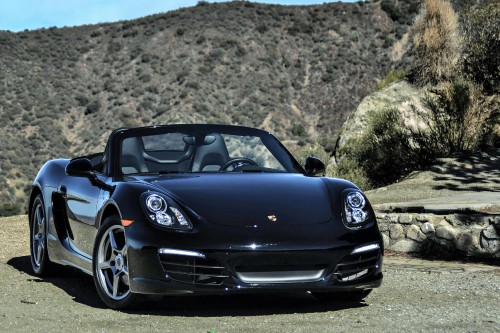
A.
pixel 203 209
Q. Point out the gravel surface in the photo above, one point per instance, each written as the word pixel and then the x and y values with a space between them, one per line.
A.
pixel 416 296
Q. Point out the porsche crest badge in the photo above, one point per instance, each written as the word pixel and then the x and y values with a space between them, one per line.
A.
pixel 272 218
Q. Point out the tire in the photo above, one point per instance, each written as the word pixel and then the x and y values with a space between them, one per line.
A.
pixel 110 265
pixel 343 296
pixel 40 263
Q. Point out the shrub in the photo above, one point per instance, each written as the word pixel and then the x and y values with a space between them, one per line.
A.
pixel 82 99
pixel 200 40
pixel 315 150
pixel 385 154
pixel 93 107
pixel 299 130
pixel 393 76
pixel 262 28
pixel 389 7
pixel 348 168
pixel 9 209
pixel 180 32
pixel 455 119
pixel 301 27
pixel 436 43
pixel 481 27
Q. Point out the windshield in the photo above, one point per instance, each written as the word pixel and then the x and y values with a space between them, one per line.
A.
pixel 202 149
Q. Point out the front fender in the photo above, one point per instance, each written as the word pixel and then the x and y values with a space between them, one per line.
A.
pixel 126 199
pixel 47 181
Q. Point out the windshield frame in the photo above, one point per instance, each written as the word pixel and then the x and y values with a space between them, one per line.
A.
pixel 275 147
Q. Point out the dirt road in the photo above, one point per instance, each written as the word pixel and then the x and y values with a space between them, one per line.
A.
pixel 416 296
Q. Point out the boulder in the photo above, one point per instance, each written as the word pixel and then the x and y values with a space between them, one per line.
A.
pixel 468 243
pixel 405 219
pixel 490 240
pixel 396 231
pixel 406 245
pixel 414 233
pixel 446 232
pixel 387 241
pixel 400 94
pixel 427 228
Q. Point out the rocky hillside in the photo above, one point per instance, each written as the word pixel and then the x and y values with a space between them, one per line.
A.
pixel 297 71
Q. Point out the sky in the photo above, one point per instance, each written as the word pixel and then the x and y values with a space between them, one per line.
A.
pixel 18 15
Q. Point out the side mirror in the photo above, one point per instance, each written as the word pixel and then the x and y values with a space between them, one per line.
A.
pixel 79 167
pixel 314 166
pixel 82 167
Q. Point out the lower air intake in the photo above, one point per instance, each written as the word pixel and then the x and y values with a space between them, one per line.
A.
pixel 193 270
pixel 280 273
pixel 358 265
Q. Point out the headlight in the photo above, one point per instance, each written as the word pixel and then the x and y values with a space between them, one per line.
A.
pixel 163 211
pixel 155 203
pixel 356 209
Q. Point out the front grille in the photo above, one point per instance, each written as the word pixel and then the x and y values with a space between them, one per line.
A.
pixel 192 269
pixel 355 266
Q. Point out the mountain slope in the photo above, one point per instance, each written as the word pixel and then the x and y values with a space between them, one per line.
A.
pixel 297 71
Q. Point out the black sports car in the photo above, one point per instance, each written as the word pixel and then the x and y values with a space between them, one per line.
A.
pixel 207 209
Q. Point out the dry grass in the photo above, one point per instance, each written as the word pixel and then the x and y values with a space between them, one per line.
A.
pixel 436 42
pixel 455 119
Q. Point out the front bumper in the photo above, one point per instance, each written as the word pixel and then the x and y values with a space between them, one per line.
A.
pixel 176 263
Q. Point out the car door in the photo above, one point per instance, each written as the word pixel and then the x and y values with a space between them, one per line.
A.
pixel 81 198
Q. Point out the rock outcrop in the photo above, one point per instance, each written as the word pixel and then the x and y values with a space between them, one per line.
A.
pixel 400 95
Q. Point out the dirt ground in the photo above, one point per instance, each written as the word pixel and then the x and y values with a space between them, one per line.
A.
pixel 458 174
pixel 416 296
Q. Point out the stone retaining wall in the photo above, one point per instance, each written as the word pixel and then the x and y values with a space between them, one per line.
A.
pixel 452 235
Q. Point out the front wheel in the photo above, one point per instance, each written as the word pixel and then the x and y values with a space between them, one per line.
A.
pixel 343 296
pixel 40 262
pixel 110 265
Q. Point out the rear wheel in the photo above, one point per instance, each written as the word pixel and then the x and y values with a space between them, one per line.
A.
pixel 110 265
pixel 343 296
pixel 40 262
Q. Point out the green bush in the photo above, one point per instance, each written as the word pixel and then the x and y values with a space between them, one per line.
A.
pixel 481 27
pixel 180 32
pixel 315 150
pixel 262 28
pixel 390 8
pixel 348 168
pixel 456 118
pixel 93 107
pixel 393 76
pixel 9 209
pixel 384 154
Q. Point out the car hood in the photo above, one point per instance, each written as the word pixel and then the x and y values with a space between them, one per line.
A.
pixel 250 200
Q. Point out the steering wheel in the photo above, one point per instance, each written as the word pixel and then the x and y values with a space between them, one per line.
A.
pixel 237 162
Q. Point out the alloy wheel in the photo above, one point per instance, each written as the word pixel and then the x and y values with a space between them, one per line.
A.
pixel 38 238
pixel 112 264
